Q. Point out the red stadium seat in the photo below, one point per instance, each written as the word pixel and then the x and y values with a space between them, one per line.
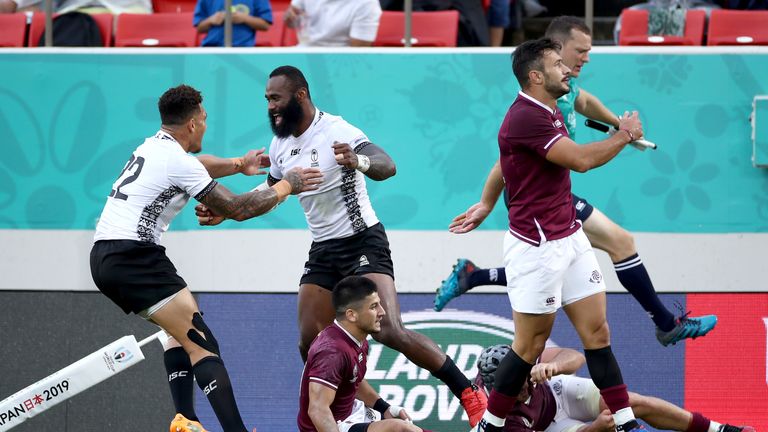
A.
pixel 274 36
pixel 290 38
pixel 436 29
pixel 738 27
pixel 104 21
pixel 13 29
pixel 155 30
pixel 279 5
pixel 174 6
pixel 634 29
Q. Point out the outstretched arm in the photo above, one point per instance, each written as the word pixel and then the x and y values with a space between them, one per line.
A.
pixel 249 164
pixel 590 106
pixel 582 158
pixel 220 203
pixel 476 214
pixel 369 159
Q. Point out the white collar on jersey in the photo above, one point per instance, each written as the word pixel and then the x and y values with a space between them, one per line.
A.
pixel 336 323
pixel 315 119
pixel 161 134
pixel 550 110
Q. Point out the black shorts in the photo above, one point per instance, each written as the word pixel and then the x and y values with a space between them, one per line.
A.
pixel 134 275
pixel 583 208
pixel 332 260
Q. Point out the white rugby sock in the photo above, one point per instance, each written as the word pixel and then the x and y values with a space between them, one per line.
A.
pixel 623 416
pixel 492 419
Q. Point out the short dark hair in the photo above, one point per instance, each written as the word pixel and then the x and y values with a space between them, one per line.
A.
pixel 294 76
pixel 178 104
pixel 528 56
pixel 560 28
pixel 349 291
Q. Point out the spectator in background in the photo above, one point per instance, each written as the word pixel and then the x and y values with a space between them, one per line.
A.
pixel 334 22
pixel 248 17
pixel 498 20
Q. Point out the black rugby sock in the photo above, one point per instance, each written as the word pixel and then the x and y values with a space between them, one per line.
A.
pixel 633 275
pixel 181 381
pixel 491 276
pixel 452 377
pixel 213 380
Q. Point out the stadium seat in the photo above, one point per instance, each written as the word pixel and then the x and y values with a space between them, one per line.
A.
pixel 104 21
pixel 435 29
pixel 155 30
pixel 274 36
pixel 279 5
pixel 174 6
pixel 634 29
pixel 738 27
pixel 290 38
pixel 13 28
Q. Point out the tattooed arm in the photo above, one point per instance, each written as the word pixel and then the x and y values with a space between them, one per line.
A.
pixel 221 203
pixel 249 164
pixel 379 165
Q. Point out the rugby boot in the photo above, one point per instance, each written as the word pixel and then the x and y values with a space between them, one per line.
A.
pixel 686 327
pixel 474 401
pixel 183 424
pixel 455 284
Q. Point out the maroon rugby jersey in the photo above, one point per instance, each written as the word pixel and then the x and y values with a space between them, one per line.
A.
pixel 536 414
pixel 336 360
pixel 538 191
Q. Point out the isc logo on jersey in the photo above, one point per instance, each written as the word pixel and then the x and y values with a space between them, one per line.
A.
pixel 462 335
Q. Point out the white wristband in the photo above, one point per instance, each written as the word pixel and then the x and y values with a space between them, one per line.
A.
pixel 363 163
pixel 262 187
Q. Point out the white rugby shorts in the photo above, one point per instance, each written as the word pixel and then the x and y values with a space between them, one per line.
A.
pixel 578 402
pixel 556 273
pixel 360 414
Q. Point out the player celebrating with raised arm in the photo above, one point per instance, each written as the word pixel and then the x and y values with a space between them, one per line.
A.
pixel 130 267
pixel 604 234
pixel 553 400
pixel 348 238
pixel 548 259
pixel 334 397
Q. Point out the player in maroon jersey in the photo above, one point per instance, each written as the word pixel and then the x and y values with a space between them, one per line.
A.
pixel 560 402
pixel 334 397
pixel 549 261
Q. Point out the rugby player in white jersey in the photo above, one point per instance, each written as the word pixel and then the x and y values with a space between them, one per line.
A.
pixel 130 267
pixel 348 239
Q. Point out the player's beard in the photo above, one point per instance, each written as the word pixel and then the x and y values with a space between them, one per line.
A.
pixel 292 116
pixel 555 88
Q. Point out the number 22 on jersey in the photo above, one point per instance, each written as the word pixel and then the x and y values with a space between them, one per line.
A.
pixel 129 174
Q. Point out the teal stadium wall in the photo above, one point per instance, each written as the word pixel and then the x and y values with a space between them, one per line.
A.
pixel 68 123
pixel 70 119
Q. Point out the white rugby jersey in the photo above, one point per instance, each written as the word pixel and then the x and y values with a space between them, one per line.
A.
pixel 340 207
pixel 153 187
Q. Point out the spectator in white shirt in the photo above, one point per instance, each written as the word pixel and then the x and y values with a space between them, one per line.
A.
pixel 334 22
